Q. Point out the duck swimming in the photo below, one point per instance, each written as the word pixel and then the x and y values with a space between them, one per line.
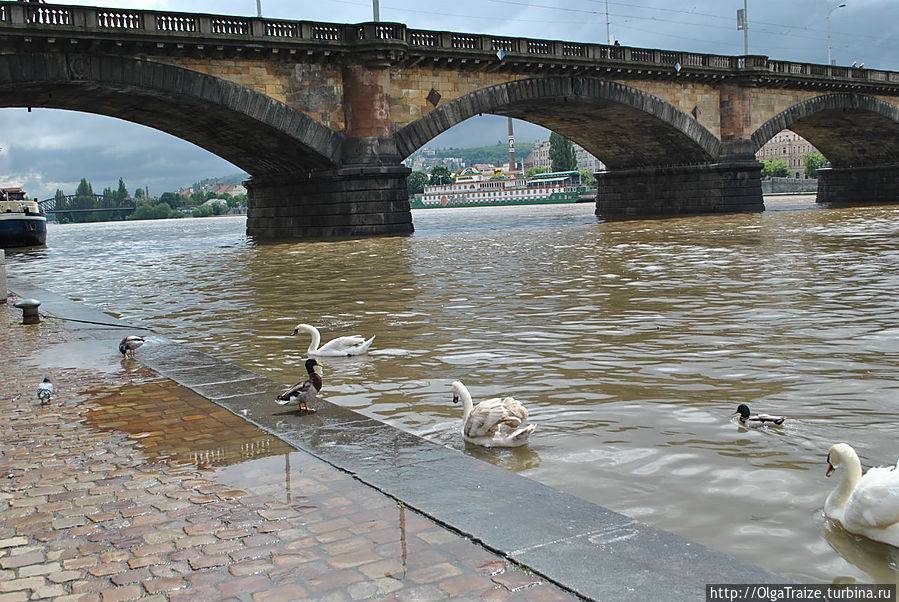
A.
pixel 130 344
pixel 746 417
pixel 341 346
pixel 494 422
pixel 305 391
pixel 864 505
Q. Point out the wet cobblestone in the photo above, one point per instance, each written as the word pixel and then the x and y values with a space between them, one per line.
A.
pixel 131 487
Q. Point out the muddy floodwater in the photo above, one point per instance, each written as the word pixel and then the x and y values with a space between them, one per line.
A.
pixel 631 343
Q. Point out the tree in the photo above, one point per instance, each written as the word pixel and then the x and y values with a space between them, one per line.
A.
pixel 148 210
pixel 416 181
pixel 62 203
pixel 561 153
pixel 173 199
pixel 84 199
pixel 109 199
pixel 534 171
pixel 775 168
pixel 813 162
pixel 588 178
pixel 209 210
pixel 441 175
pixel 139 194
pixel 121 194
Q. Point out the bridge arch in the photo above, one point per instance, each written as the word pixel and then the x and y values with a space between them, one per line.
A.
pixel 851 130
pixel 250 130
pixel 623 126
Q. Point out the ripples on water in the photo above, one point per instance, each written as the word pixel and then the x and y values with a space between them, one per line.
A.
pixel 630 342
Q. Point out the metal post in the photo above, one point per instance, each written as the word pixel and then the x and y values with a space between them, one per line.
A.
pixel 608 31
pixel 375 11
pixel 3 292
pixel 745 28
pixel 829 60
pixel 259 8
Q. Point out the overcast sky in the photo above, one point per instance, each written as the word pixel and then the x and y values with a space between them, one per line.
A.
pixel 45 149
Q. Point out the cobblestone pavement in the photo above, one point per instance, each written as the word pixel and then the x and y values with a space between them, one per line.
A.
pixel 129 486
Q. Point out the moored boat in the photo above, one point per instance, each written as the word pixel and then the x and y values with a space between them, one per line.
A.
pixel 22 223
pixel 472 189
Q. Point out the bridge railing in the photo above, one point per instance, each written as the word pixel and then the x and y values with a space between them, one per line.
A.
pixel 83 19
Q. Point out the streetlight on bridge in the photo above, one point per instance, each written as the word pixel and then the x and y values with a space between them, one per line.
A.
pixel 843 5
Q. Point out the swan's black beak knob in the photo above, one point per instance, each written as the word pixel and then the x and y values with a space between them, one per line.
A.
pixel 455 399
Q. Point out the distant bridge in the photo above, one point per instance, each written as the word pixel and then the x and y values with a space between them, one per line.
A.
pixel 322 114
pixel 127 207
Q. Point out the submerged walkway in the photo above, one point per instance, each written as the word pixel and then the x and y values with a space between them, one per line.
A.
pixel 130 486
pixel 175 476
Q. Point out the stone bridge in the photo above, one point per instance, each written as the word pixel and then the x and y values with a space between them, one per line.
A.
pixel 322 114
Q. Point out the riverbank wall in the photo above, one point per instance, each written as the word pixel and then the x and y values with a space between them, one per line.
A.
pixel 789 186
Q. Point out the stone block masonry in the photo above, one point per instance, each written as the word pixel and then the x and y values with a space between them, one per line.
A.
pixel 859 185
pixel 345 202
pixel 682 190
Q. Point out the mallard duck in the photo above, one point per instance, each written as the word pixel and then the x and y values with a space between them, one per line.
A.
pixel 45 391
pixel 130 344
pixel 494 422
pixel 305 391
pixel 747 418
pixel 864 505
pixel 341 346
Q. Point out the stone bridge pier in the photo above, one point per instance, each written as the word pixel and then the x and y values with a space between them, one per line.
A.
pixel 724 177
pixel 731 184
pixel 364 195
pixel 874 184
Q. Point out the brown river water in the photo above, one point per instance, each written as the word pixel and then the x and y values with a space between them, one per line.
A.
pixel 631 343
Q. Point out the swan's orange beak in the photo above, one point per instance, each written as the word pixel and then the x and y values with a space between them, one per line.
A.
pixel 830 467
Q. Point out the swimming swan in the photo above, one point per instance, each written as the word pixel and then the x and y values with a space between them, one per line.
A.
pixel 494 422
pixel 864 505
pixel 341 346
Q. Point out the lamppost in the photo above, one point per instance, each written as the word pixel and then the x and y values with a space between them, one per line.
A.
pixel 259 8
pixel 375 12
pixel 843 5
pixel 608 32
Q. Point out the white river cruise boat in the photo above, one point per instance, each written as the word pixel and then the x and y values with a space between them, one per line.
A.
pixel 473 189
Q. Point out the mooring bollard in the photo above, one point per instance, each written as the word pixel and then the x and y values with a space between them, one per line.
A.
pixel 3 291
pixel 29 311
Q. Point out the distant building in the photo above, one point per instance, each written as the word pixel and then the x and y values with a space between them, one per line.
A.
pixel 425 159
pixel 539 157
pixel 789 146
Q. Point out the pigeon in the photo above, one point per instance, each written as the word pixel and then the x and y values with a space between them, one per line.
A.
pixel 45 391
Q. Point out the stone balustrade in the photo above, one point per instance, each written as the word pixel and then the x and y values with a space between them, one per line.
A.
pixel 126 23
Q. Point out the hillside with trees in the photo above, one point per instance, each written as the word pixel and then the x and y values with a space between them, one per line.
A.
pixel 497 154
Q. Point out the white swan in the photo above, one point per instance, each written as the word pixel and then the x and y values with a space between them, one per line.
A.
pixel 341 346
pixel 494 422
pixel 864 505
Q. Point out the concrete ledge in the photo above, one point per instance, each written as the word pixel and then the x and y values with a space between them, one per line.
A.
pixel 587 549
